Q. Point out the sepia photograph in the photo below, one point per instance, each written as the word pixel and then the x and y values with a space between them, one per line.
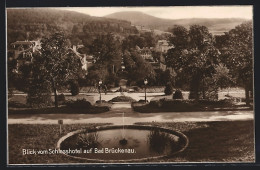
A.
pixel 130 85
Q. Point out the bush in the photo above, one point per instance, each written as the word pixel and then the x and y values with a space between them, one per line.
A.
pixel 79 104
pixel 142 101
pixel 156 103
pixel 74 88
pixel 177 94
pixel 224 102
pixel 122 99
pixel 178 104
pixel 61 98
pixel 102 101
pixel 168 89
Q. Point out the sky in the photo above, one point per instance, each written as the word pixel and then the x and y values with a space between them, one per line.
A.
pixel 171 12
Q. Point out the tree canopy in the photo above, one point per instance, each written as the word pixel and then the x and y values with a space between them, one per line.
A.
pixel 194 55
pixel 55 64
pixel 237 54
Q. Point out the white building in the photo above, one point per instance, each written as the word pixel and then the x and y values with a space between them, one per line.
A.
pixel 163 46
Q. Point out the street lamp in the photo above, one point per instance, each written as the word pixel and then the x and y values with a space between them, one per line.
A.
pixel 99 88
pixel 122 64
pixel 145 83
pixel 122 67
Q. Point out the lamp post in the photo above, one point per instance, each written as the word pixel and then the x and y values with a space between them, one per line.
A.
pixel 99 85
pixel 122 64
pixel 145 83
pixel 122 67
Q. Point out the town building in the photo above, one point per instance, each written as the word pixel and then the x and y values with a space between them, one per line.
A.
pixel 24 47
pixel 22 52
pixel 147 54
pixel 163 46
pixel 86 60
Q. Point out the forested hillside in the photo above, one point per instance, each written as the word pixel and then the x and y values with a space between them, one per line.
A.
pixel 31 24
pixel 215 25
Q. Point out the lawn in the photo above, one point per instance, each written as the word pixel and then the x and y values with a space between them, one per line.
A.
pixel 229 141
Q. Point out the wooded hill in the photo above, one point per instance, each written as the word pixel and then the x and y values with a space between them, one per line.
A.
pixel 34 23
pixel 215 25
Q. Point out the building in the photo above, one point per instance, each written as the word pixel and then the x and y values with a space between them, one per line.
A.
pixel 86 60
pixel 147 54
pixel 24 47
pixel 22 52
pixel 163 46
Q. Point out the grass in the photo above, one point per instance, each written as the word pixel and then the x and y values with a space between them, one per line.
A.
pixel 38 137
pixel 229 141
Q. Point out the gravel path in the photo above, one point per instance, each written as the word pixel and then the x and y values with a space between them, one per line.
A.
pixel 115 116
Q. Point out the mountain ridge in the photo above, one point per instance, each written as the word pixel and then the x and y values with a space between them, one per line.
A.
pixel 152 22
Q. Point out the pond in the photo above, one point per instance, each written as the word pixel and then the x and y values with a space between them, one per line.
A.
pixel 129 142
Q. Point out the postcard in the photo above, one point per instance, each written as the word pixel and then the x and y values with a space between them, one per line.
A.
pixel 128 85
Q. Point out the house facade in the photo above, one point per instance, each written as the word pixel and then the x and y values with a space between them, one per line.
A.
pixel 163 46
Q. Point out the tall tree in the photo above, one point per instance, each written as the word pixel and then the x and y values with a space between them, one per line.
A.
pixel 55 63
pixel 238 49
pixel 106 50
pixel 194 56
pixel 138 69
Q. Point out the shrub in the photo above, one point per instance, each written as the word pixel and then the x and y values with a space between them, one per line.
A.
pixel 102 101
pixel 180 104
pixel 177 94
pixel 224 102
pixel 168 89
pixel 79 103
pixel 122 99
pixel 61 98
pixel 156 103
pixel 74 88
pixel 142 101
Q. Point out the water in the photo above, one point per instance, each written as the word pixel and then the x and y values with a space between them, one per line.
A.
pixel 139 144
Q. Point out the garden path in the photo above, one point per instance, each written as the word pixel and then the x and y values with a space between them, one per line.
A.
pixel 115 116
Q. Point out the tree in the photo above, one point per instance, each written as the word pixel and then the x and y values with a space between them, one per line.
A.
pixel 106 51
pixel 168 89
pixel 239 51
pixel 12 75
pixel 74 87
pixel 55 63
pixel 138 69
pixel 222 77
pixel 193 57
